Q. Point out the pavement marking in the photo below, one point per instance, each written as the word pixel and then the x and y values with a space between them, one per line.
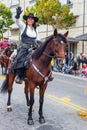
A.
pixel 85 90
pixel 66 101
pixel 2 77
pixel 81 111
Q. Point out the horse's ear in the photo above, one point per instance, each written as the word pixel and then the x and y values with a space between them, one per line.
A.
pixel 66 34
pixel 55 32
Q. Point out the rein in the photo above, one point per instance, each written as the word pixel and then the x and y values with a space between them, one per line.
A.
pixel 55 57
pixel 49 55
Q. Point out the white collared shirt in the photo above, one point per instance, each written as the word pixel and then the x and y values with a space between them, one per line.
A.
pixel 30 32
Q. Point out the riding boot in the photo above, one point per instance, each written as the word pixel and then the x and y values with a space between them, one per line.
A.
pixel 20 75
pixel 18 79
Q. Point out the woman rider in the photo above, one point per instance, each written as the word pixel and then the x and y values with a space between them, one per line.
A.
pixel 29 35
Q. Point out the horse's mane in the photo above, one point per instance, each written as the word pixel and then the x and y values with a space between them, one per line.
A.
pixel 43 45
pixel 41 48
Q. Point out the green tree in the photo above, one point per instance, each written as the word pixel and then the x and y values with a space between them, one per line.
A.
pixel 5 19
pixel 51 12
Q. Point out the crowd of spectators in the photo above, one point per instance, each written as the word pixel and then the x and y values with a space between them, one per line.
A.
pixel 71 62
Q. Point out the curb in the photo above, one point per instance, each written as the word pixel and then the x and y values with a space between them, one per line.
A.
pixel 70 76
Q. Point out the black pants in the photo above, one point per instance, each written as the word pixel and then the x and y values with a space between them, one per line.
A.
pixel 21 58
pixel 21 72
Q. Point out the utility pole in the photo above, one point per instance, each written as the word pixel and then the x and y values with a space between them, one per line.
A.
pixel 24 5
pixel 83 25
pixel 70 4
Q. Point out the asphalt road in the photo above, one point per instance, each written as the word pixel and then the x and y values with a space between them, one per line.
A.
pixel 64 104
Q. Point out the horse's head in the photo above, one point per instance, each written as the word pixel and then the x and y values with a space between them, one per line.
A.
pixel 8 52
pixel 60 41
pixel 55 43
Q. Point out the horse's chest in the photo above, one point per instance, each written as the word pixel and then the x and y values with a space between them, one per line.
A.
pixel 35 77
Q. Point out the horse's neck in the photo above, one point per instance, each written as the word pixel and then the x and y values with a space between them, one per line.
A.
pixel 8 53
pixel 45 59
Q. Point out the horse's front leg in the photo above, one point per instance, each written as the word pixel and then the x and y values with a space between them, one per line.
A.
pixel 41 100
pixel 27 95
pixel 30 119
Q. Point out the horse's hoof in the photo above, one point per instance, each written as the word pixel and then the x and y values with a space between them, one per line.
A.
pixel 30 122
pixel 9 109
pixel 41 120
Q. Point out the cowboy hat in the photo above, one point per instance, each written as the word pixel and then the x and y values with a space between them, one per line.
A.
pixel 30 15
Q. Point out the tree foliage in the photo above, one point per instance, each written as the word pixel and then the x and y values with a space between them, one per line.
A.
pixel 51 12
pixel 5 19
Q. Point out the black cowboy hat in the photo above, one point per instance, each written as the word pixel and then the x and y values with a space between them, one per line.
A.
pixel 30 15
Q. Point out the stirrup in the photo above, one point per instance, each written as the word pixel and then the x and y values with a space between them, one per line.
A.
pixel 26 79
pixel 18 80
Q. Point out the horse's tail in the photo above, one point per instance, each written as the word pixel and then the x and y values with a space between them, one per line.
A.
pixel 4 87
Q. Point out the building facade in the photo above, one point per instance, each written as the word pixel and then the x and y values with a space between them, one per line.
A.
pixel 79 28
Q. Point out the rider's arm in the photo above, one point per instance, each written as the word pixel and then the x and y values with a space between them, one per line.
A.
pixel 20 24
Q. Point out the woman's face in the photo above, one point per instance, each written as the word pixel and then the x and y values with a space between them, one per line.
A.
pixel 30 21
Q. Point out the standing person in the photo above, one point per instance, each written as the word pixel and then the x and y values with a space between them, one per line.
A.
pixel 66 58
pixel 29 35
pixel 5 44
pixel 71 59
pixel 52 64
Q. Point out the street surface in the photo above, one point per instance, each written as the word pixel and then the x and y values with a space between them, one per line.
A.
pixel 65 98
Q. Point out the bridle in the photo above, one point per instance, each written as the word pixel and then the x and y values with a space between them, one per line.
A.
pixel 54 56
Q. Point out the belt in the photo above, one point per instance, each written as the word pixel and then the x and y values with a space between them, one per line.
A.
pixel 28 45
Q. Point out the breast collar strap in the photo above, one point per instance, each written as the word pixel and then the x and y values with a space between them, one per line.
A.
pixel 39 72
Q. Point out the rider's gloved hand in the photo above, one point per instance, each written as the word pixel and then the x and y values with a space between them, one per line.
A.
pixel 18 12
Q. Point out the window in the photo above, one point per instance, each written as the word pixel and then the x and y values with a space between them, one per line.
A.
pixel 31 1
pixel 13 3
pixel 69 3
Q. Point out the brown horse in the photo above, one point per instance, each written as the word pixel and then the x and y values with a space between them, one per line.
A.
pixel 4 59
pixel 38 73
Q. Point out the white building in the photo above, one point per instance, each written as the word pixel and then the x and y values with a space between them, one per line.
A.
pixel 78 8
pixel 80 28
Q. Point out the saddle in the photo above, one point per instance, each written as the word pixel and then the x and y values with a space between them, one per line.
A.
pixel 27 59
pixel 26 63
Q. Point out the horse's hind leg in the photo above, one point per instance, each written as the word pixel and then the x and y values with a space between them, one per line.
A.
pixel 6 69
pixel 2 70
pixel 41 100
pixel 10 83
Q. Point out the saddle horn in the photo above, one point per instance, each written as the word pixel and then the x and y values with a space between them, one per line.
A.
pixel 55 32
